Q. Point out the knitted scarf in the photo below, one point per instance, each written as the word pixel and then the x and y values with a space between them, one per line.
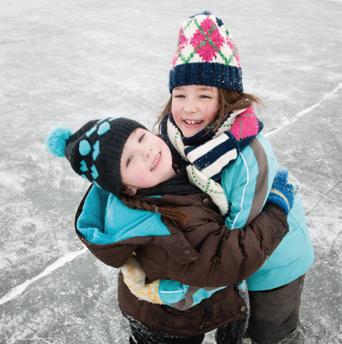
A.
pixel 177 185
pixel 208 152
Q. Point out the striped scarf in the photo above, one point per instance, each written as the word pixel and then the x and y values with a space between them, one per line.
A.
pixel 209 152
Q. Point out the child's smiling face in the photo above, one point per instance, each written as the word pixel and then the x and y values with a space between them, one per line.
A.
pixel 194 107
pixel 146 161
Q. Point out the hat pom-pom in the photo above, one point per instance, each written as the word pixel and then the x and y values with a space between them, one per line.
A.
pixel 56 141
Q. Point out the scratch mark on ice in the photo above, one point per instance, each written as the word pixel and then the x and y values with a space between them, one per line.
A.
pixel 19 289
pixel 307 110
pixel 325 195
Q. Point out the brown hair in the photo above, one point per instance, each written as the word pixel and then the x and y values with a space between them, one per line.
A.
pixel 170 213
pixel 229 101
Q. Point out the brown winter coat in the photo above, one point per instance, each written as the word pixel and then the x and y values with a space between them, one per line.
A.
pixel 199 252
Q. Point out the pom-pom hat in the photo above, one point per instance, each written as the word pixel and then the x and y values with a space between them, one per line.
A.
pixel 94 151
pixel 206 55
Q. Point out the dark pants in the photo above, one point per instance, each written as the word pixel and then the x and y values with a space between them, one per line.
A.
pixel 140 334
pixel 231 334
pixel 274 314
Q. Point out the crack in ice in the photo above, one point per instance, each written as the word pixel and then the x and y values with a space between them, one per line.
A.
pixel 305 111
pixel 60 262
pixel 19 289
pixel 324 196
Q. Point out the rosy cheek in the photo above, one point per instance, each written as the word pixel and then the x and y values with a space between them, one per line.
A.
pixel 143 179
pixel 176 106
pixel 176 116
pixel 211 112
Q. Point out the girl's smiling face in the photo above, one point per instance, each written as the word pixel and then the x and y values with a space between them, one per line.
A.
pixel 194 107
pixel 146 161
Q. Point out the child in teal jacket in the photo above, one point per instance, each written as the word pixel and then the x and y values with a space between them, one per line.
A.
pixel 206 99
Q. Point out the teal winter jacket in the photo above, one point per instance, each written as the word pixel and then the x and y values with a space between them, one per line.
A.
pixel 247 182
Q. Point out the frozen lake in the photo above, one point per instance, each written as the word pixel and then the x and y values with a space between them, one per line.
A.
pixel 66 62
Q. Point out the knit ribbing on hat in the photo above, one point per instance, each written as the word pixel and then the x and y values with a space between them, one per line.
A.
pixel 206 55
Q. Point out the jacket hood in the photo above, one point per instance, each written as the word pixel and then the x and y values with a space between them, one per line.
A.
pixel 112 231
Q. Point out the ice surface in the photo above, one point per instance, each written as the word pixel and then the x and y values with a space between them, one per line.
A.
pixel 63 63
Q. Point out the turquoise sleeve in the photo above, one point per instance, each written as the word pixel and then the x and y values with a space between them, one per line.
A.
pixel 239 181
pixel 105 220
pixel 182 296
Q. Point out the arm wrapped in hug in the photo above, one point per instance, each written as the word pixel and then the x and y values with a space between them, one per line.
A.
pixel 183 296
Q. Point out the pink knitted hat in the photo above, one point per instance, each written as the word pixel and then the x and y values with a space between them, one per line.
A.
pixel 206 55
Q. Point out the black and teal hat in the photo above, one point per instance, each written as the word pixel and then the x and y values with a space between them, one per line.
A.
pixel 94 151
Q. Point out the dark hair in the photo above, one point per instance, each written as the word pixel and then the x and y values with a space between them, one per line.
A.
pixel 170 213
pixel 229 101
